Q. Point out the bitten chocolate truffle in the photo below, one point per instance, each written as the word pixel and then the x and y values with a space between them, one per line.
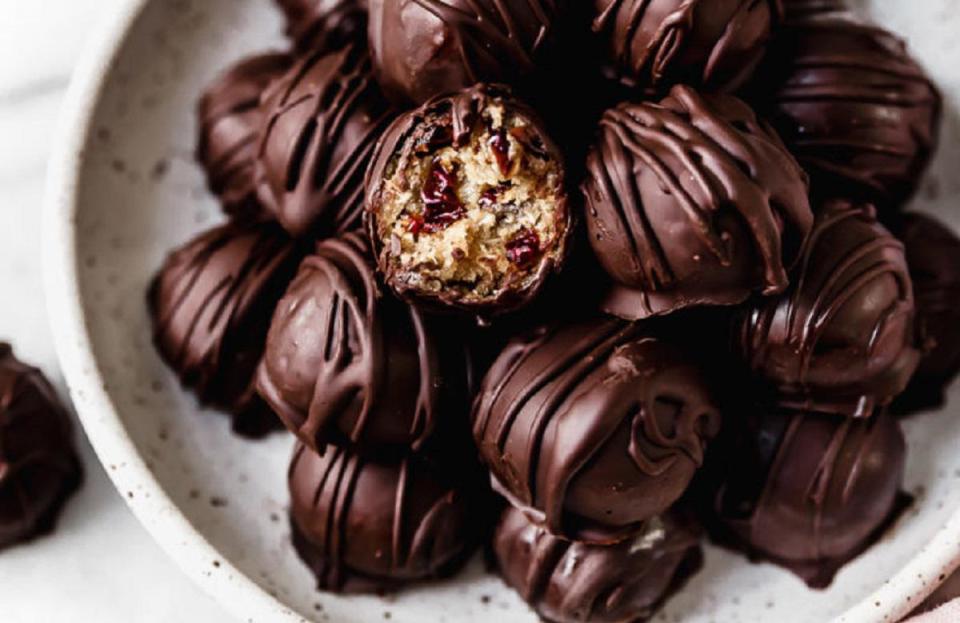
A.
pixel 344 361
pixel 466 203
pixel 322 121
pixel 39 469
pixel 692 201
pixel 230 118
pixel 715 44
pixel 594 427
pixel 810 492
pixel 573 582
pixel 211 305
pixel 933 255
pixel 424 48
pixel 363 526
pixel 841 339
pixel 324 24
pixel 858 113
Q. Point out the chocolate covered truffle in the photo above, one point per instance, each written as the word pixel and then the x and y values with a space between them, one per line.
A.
pixel 933 255
pixel 692 201
pixel 858 113
pixel 715 44
pixel 346 362
pixel 324 24
pixel 574 582
pixel 211 305
pixel 841 339
pixel 594 427
pixel 322 120
pixel 466 203
pixel 424 48
pixel 230 118
pixel 810 491
pixel 39 468
pixel 364 526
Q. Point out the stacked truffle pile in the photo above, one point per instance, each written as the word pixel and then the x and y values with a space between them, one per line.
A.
pixel 409 259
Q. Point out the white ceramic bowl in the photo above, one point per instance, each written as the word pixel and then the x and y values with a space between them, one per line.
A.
pixel 124 190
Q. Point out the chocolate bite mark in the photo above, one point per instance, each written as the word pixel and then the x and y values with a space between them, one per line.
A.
pixel 443 213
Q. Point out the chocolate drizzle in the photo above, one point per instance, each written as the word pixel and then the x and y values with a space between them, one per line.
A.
pixel 211 306
pixel 322 120
pixel 841 338
pixel 424 48
pixel 692 201
pixel 345 361
pixel 824 487
pixel 593 428
pixel 573 582
pixel 39 468
pixel 367 526
pixel 858 113
pixel 711 43
pixel 230 117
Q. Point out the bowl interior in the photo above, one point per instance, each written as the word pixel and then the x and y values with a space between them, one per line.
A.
pixel 141 194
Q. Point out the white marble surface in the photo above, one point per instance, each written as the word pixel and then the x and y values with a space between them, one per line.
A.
pixel 100 565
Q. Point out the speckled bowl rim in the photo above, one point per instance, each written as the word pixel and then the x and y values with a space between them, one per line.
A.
pixel 126 467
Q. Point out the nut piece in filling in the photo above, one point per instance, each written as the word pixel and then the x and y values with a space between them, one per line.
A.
pixel 466 203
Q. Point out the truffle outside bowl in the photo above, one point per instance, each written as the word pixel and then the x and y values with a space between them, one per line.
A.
pixel 124 190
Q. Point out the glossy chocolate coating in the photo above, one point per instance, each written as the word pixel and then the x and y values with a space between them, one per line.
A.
pixel 574 582
pixel 858 113
pixel 594 427
pixel 424 48
pixel 811 491
pixel 692 201
pixel 451 120
pixel 324 24
pixel 841 339
pixel 365 526
pixel 211 305
pixel 230 118
pixel 346 361
pixel 933 255
pixel 39 468
pixel 715 44
pixel 322 120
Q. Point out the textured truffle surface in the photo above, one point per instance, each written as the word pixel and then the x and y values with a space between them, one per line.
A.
pixel 574 582
pixel 692 201
pixel 854 108
pixel 466 203
pixel 230 118
pixel 211 305
pixel 841 339
pixel 715 44
pixel 365 526
pixel 424 48
pixel 322 121
pixel 344 361
pixel 39 468
pixel 593 428
pixel 811 491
